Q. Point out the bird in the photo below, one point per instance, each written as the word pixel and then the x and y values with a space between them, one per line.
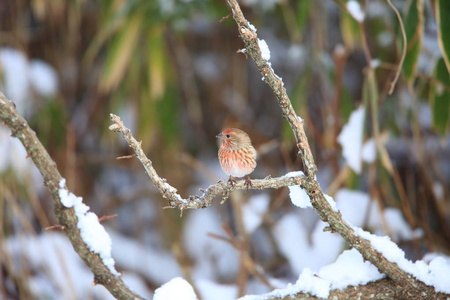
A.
pixel 237 156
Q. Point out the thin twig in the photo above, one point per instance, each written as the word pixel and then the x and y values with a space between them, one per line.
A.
pixel 104 218
pixel 400 64
pixel 53 227
pixel 126 156
pixel 224 18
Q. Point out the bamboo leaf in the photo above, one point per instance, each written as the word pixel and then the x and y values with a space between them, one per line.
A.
pixel 350 31
pixel 303 13
pixel 443 20
pixel 414 25
pixel 157 62
pixel 370 95
pixel 440 97
pixel 121 51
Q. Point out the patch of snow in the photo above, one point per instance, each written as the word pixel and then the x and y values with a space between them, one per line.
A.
pixel 253 211
pixel 350 139
pixel 177 288
pixel 210 290
pixel 55 270
pixel 43 78
pixel 435 274
pixel 156 265
pixel 213 258
pixel 14 65
pixel 91 231
pixel 265 52
pixel 298 196
pixel 369 151
pixel 305 250
pixel 354 8
pixel 350 269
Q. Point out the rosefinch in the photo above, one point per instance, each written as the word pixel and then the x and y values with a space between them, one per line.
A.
pixel 237 156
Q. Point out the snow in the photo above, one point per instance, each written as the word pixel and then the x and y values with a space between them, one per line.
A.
pixel 213 258
pixel 177 288
pixel 316 286
pixel 435 274
pixel 137 284
pixel 252 27
pixel 265 52
pixel 357 209
pixel 156 265
pixel 298 196
pixel 254 210
pixel 21 74
pixel 303 249
pixel 15 66
pixel 354 8
pixel 43 78
pixel 210 290
pixel 13 155
pixel 350 139
pixel 173 190
pixel 375 63
pixel 55 271
pixel 91 231
pixel 369 151
pixel 349 269
pixel 331 201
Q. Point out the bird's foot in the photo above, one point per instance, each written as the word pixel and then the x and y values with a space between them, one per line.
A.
pixel 248 182
pixel 231 181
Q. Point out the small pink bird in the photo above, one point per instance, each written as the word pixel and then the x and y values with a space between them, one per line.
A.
pixel 237 156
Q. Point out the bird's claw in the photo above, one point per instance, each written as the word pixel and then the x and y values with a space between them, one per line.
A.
pixel 231 181
pixel 248 182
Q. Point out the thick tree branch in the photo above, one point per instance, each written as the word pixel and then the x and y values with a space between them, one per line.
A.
pixel 195 201
pixel 381 289
pixel 66 216
pixel 414 288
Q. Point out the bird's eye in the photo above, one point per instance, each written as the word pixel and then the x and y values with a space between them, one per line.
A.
pixel 228 136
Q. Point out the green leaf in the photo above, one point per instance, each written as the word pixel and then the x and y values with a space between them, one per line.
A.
pixel 303 13
pixel 157 63
pixel 371 97
pixel 414 25
pixel 121 51
pixel 440 97
pixel 350 31
pixel 443 20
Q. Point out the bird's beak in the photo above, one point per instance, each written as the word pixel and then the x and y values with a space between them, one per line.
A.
pixel 219 136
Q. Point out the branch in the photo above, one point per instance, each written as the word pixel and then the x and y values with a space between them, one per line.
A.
pixel 381 289
pixel 195 201
pixel 66 216
pixel 327 214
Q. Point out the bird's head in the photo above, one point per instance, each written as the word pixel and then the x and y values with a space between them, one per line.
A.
pixel 234 139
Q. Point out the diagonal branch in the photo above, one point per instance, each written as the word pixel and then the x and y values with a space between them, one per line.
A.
pixel 195 201
pixel 248 35
pixel 66 216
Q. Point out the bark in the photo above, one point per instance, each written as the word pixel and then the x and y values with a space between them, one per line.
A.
pixel 65 216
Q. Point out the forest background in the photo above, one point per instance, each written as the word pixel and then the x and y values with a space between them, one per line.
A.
pixel 170 70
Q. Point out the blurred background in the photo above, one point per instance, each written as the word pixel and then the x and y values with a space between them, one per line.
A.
pixel 170 70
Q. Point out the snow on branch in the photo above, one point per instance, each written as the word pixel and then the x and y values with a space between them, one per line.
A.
pixel 411 286
pixel 97 258
pixel 205 199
